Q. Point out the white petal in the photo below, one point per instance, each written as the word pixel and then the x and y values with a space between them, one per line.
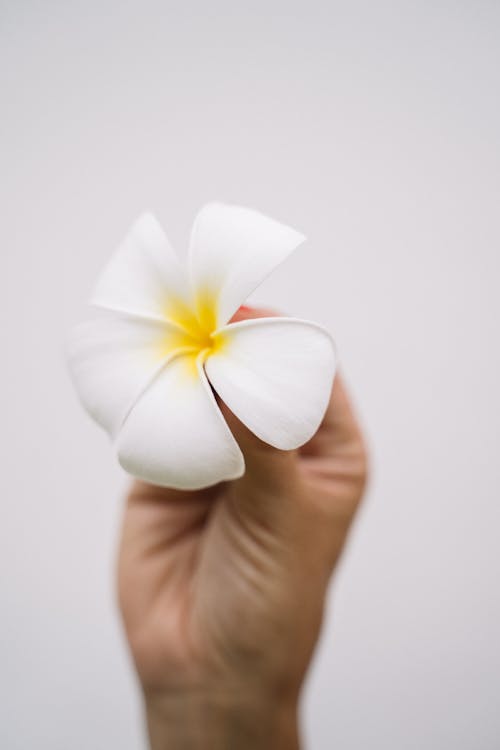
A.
pixel 276 375
pixel 175 435
pixel 112 358
pixel 144 275
pixel 232 250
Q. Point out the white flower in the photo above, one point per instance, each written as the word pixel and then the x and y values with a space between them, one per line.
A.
pixel 144 370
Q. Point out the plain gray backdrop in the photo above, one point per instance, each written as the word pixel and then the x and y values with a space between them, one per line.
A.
pixel 373 127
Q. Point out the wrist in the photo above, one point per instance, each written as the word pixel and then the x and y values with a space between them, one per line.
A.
pixel 221 719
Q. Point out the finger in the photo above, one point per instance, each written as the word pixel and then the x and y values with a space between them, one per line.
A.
pixel 264 494
pixel 160 532
pixel 157 518
pixel 264 463
pixel 246 313
pixel 335 461
pixel 339 428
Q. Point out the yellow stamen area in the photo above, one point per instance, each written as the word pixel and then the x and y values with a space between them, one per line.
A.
pixel 194 328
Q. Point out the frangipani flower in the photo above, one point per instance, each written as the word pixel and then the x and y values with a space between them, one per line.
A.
pixel 145 369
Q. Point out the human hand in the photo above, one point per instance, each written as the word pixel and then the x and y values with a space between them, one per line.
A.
pixel 222 589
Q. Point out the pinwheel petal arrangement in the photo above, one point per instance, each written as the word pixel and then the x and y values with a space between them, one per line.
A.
pixel 147 367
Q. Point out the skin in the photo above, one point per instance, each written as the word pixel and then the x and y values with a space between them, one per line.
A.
pixel 222 590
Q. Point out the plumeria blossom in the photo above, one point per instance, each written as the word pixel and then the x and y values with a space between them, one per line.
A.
pixel 147 366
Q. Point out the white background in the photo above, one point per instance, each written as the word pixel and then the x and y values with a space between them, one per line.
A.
pixel 374 127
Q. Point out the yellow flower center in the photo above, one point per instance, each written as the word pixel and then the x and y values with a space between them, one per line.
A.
pixel 195 325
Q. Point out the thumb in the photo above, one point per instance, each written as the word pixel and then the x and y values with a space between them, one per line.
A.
pixel 266 497
pixel 265 466
pixel 265 490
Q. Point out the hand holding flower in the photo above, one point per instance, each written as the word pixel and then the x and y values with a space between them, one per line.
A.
pixel 223 570
pixel 222 589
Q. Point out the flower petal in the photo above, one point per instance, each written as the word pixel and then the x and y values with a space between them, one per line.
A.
pixel 112 358
pixel 232 250
pixel 275 374
pixel 175 435
pixel 144 275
